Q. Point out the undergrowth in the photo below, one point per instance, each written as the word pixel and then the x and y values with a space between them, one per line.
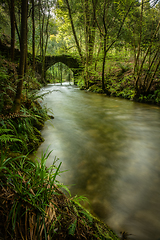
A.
pixel 33 205
pixel 121 84
pixel 22 133
pixel 120 81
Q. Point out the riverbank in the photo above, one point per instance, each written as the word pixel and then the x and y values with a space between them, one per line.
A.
pixel 30 194
pixel 120 82
pixel 32 203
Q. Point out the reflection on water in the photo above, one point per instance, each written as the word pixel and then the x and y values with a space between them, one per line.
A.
pixel 111 148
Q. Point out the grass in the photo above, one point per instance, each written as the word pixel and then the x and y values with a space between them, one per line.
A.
pixel 33 205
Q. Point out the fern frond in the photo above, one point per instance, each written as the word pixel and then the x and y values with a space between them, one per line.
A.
pixel 72 228
pixel 4 138
pixel 4 130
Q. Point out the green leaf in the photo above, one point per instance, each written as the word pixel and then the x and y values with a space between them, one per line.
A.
pixel 87 215
pixel 72 228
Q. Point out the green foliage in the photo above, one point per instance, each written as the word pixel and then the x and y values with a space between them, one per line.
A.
pixel 72 228
pixel 30 82
pixel 153 97
pixel 22 133
pixel 33 200
pixel 156 96
pixel 8 77
pixel 59 72
pixel 124 67
pixel 81 83
pixel 6 137
pixel 33 183
pixel 4 20
pixel 3 74
pixel 5 98
pixel 95 88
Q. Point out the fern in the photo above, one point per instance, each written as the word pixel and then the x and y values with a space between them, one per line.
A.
pixel 72 228
pixel 4 138
pixel 87 215
pixel 3 130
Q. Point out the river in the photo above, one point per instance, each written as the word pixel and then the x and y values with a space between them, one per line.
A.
pixel 111 149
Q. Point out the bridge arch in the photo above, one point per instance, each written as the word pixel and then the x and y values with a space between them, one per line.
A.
pixel 60 72
pixel 73 63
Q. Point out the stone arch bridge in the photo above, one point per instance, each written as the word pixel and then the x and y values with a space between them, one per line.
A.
pixel 73 63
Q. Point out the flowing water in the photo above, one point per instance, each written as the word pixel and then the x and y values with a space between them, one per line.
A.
pixel 111 149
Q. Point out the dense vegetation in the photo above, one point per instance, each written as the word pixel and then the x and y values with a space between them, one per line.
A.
pixel 118 44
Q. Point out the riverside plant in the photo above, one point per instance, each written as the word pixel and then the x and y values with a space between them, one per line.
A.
pixel 27 190
pixel 21 133
pixel 33 204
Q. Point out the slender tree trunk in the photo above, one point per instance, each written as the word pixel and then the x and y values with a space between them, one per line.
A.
pixel 86 27
pixel 107 48
pixel 148 76
pixel 92 31
pixel 45 48
pixel 104 44
pixel 136 65
pixel 61 71
pixel 152 77
pixel 33 36
pixel 99 49
pixel 23 46
pixel 12 30
pixel 19 37
pixel 42 35
pixel 26 61
pixel 138 79
pixel 104 61
pixel 40 29
pixel 73 30
pixel 11 5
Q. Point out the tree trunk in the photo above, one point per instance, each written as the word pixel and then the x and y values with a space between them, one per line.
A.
pixel 12 30
pixel 61 71
pixel 138 79
pixel 73 30
pixel 12 20
pixel 23 46
pixel 136 64
pixel 104 44
pixel 92 31
pixel 152 77
pixel 104 61
pixel 45 48
pixel 33 36
pixel 99 49
pixel 86 30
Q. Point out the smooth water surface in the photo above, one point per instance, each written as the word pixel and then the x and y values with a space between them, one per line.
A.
pixel 111 149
